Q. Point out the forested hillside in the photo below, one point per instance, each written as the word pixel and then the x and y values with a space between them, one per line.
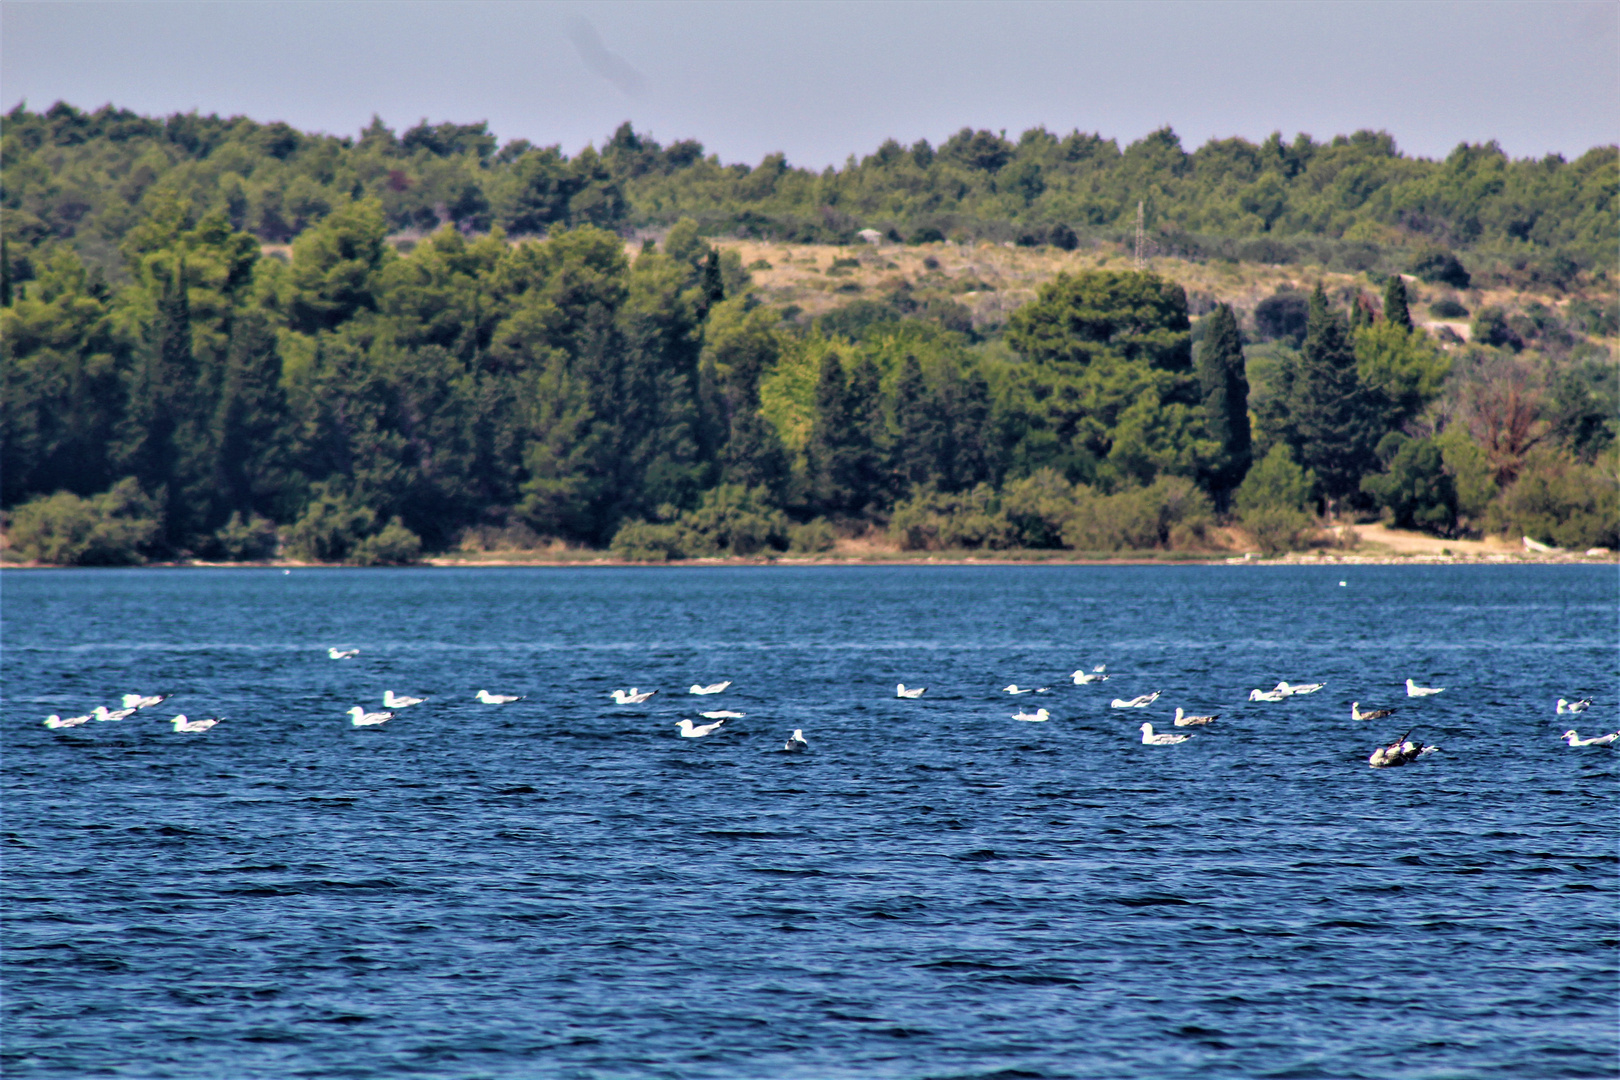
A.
pixel 225 339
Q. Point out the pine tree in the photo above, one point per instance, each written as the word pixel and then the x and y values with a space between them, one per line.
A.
pixel 1396 312
pixel 918 424
pixel 1337 419
pixel 1225 386
pixel 845 447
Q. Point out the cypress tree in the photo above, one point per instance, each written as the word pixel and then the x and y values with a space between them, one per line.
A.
pixel 1395 309
pixel 845 447
pixel 1338 420
pixel 1225 385
pixel 918 424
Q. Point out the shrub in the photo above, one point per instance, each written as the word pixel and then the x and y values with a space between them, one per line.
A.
pixel 1282 318
pixel 1169 512
pixel 1278 529
pixel 812 537
pixel 928 234
pixel 1415 487
pixel 395 545
pixel 115 528
pixel 331 527
pixel 642 541
pixel 935 521
pixel 734 520
pixel 1037 508
pixel 1438 266
pixel 1062 237
pixel 1276 482
pixel 1559 501
pixel 246 541
pixel 1447 308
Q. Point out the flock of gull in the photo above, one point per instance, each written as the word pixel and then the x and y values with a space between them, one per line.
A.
pixel 1401 751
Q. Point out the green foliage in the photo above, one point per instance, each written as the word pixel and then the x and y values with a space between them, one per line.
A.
pixel 1559 501
pixel 1335 417
pixel 1447 308
pixel 115 528
pixel 1472 474
pixel 812 538
pixel 246 540
pixel 1046 511
pixel 1402 366
pixel 331 528
pixel 1276 483
pixel 1222 374
pixel 1396 311
pixel 731 520
pixel 1414 486
pixel 393 545
pixel 1438 266
pixel 1271 502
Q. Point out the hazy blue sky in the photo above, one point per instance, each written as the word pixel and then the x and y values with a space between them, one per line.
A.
pixel 821 80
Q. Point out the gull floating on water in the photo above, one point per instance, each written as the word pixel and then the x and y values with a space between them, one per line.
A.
pixel 1574 706
pixel 1166 739
pixel 1266 695
pixel 136 701
pixel 1183 720
pixel 1356 712
pixel 342 654
pixel 1081 678
pixel 688 731
pixel 901 690
pixel 1141 701
pixel 1038 716
pixel 797 742
pixel 1596 740
pixel 361 718
pixel 497 699
pixel 632 696
pixel 101 712
pixel 712 688
pixel 722 714
pixel 53 721
pixel 1414 690
pixel 392 700
pixel 1014 688
pixel 1289 690
pixel 193 726
pixel 1398 753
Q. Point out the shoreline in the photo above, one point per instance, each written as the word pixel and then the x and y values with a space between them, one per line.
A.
pixel 1025 558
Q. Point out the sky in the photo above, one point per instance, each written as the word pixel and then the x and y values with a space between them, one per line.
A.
pixel 820 81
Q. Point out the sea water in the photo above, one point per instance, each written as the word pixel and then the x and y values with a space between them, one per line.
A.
pixel 564 887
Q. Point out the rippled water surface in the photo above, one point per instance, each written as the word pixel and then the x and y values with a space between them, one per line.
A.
pixel 563 887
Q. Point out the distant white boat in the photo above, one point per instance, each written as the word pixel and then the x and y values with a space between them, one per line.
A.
pixel 497 699
pixel 632 696
pixel 1596 740
pixel 136 701
pixel 1574 706
pixel 1141 701
pixel 54 722
pixel 1166 739
pixel 392 700
pixel 689 731
pixel 1183 720
pixel 901 690
pixel 181 724
pixel 712 688
pixel 722 714
pixel 1038 716
pixel 342 654
pixel 360 718
pixel 1414 690
pixel 797 743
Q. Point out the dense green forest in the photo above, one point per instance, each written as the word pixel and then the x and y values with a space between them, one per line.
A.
pixel 171 390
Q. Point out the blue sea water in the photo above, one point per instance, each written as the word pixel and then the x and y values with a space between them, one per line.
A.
pixel 564 888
